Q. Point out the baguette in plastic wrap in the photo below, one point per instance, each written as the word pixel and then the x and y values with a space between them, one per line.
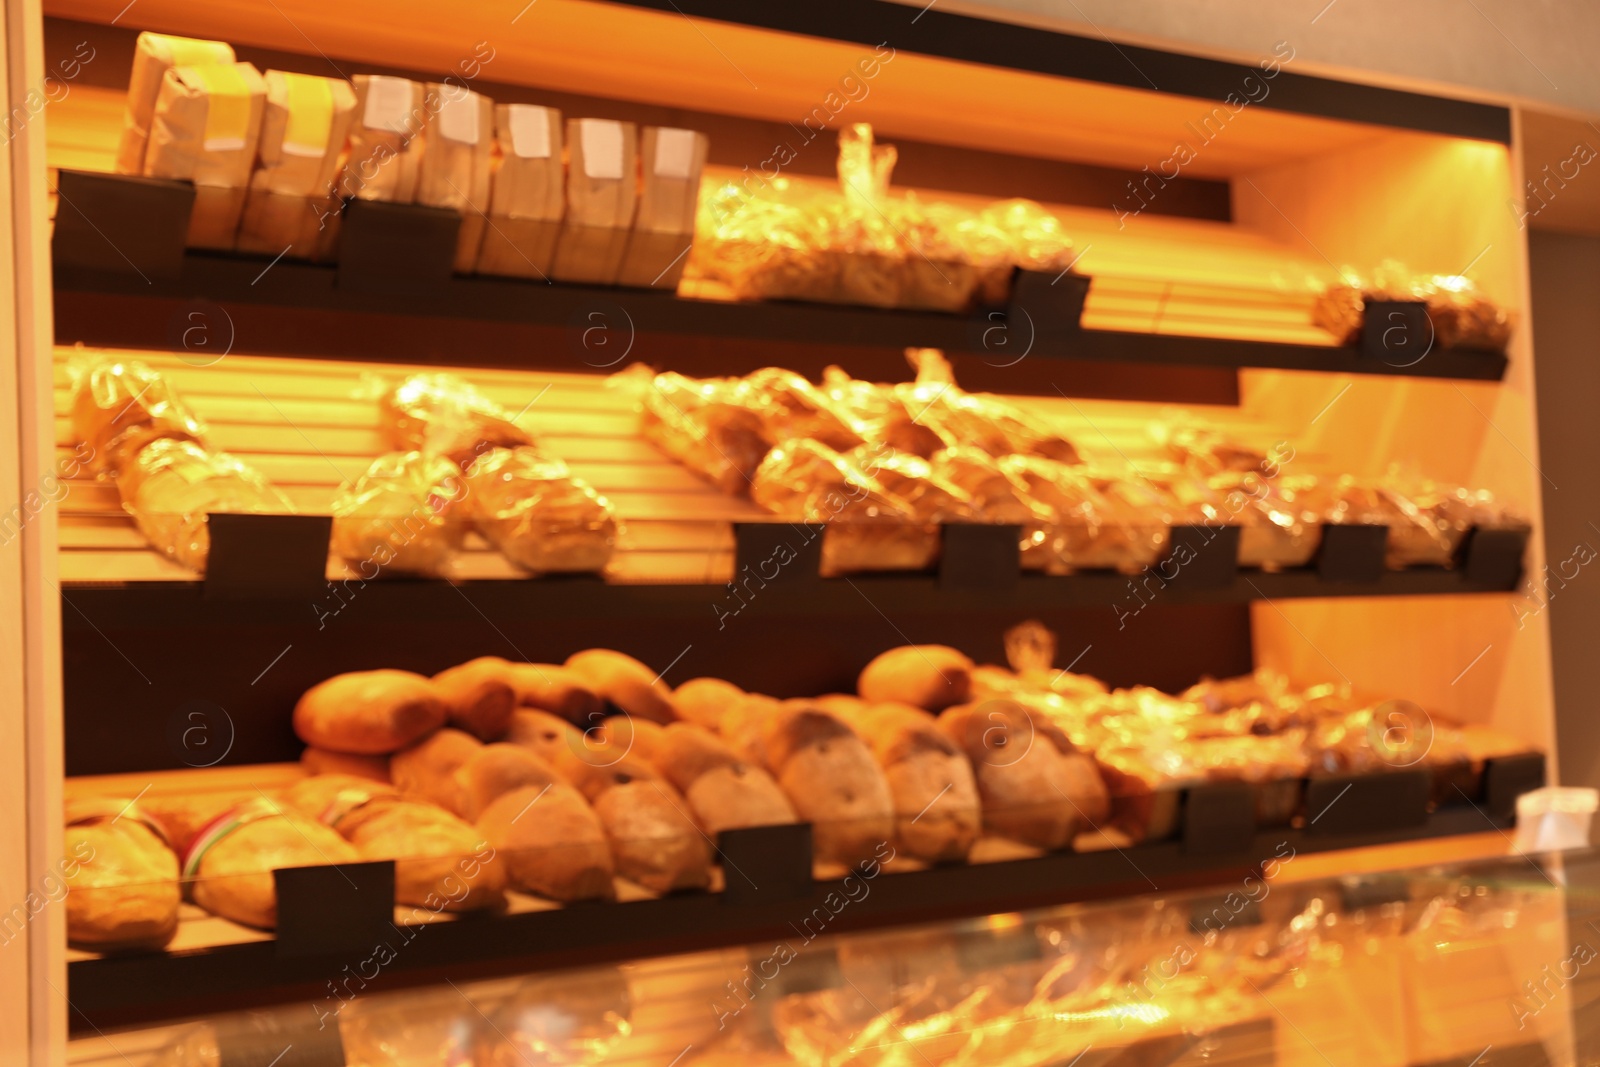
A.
pixel 537 514
pixel 444 414
pixel 703 426
pixel 405 513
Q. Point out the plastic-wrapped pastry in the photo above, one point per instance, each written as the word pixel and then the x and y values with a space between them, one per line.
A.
pixel 1461 315
pixel 702 425
pixel 561 1020
pixel 792 407
pixel 406 513
pixel 868 529
pixel 121 406
pixel 1206 450
pixel 537 514
pixel 1426 525
pixel 1277 530
pixel 998 497
pixel 443 414
pixel 881 413
pixel 228 866
pixel 172 483
pixel 938 276
pixel 912 481
pixel 409 1029
pixel 1037 241
pixel 870 253
pixel 767 244
pixel 121 876
pixel 1089 530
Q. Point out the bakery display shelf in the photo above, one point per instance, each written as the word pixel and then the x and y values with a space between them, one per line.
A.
pixel 216 965
pixel 124 236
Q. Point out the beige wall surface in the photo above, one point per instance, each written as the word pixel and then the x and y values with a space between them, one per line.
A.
pixel 1530 50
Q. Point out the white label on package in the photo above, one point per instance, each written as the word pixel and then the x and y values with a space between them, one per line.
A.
pixel 674 153
pixel 388 104
pixel 458 115
pixel 602 148
pixel 530 131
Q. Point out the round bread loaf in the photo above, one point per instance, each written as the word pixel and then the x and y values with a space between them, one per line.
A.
pixel 428 768
pixel 932 677
pixel 625 683
pixel 937 816
pixel 557 690
pixel 479 696
pixel 369 712
pixel 703 701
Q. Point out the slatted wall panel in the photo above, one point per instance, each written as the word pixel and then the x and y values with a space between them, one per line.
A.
pixel 1152 274
pixel 312 425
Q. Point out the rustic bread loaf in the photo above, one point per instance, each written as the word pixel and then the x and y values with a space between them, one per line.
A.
pixel 121 877
pixel 625 684
pixel 551 842
pixel 550 738
pixel 723 791
pixel 1030 790
pixel 653 838
pixel 557 690
pixel 479 696
pixel 369 712
pixel 428 768
pixel 932 677
pixel 621 735
pixel 831 778
pixel 441 862
pixel 495 770
pixel 937 816
pixel 703 701
pixel 323 761
pixel 229 865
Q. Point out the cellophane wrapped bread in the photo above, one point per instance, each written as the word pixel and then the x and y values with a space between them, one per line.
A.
pixel 790 239
pixel 1461 314
pixel 537 513
pixel 405 513
pixel 702 425
pixel 171 485
pixel 120 406
pixel 868 529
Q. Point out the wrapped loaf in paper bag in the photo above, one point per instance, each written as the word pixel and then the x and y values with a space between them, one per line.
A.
pixel 153 55
pixel 526 197
pixel 602 192
pixel 206 127
pixel 455 162
pixel 291 201
pixel 669 188
pixel 384 145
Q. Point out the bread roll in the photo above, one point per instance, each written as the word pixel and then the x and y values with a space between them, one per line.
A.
pixel 744 727
pixel 626 684
pixel 441 862
pixel 703 701
pixel 653 838
pixel 1030 790
pixel 932 677
pixel 723 791
pixel 831 778
pixel 847 707
pixel 121 877
pixel 621 735
pixel 498 769
pixel 479 696
pixel 551 842
pixel 937 815
pixel 557 690
pixel 322 761
pixel 229 865
pixel 428 768
pixel 369 712
pixel 550 738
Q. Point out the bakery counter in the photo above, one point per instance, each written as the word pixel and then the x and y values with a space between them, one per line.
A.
pixel 1430 962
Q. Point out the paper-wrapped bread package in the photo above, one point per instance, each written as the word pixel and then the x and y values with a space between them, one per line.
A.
pixel 291 200
pixel 385 141
pixel 669 188
pixel 153 55
pixel 602 193
pixel 455 162
pixel 527 194
pixel 206 128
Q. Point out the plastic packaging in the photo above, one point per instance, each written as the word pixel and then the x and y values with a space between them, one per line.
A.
pixel 443 414
pixel 539 516
pixel 122 405
pixel 405 514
